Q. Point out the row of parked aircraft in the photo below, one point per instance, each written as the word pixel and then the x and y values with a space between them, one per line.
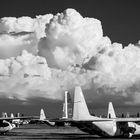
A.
pixel 77 115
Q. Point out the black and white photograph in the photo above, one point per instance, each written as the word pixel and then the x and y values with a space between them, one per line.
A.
pixel 69 69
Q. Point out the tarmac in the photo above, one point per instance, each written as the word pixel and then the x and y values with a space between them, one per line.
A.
pixel 42 131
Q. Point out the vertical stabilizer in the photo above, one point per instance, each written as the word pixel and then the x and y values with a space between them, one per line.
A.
pixel 80 110
pixel 42 115
pixel 67 106
pixel 12 115
pixel 111 112
pixel 4 115
pixel 18 114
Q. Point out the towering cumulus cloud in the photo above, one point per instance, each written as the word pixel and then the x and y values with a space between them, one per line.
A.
pixel 17 34
pixel 25 24
pixel 70 39
pixel 53 53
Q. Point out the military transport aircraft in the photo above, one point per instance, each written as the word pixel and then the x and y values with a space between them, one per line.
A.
pixel 19 122
pixel 42 119
pixel 7 125
pixel 105 127
pixel 67 114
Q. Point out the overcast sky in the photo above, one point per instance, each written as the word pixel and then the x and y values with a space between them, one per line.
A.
pixel 120 22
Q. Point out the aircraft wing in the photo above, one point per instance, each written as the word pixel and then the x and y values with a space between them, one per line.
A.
pixel 127 119
pixel 97 120
pixel 71 121
pixel 48 122
pixel 21 118
pixel 45 121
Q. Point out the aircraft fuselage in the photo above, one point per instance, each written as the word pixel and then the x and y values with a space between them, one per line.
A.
pixel 6 126
pixel 109 128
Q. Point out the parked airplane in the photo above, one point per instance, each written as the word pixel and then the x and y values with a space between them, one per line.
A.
pixel 67 113
pixel 7 125
pixel 19 121
pixel 105 127
pixel 42 119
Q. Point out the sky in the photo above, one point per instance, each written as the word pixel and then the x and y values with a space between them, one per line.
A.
pixel 95 44
pixel 124 13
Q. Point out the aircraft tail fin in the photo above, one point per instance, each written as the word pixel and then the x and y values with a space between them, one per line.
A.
pixel 4 115
pixel 67 106
pixel 12 115
pixel 80 110
pixel 43 118
pixel 42 115
pixel 111 111
pixel 18 114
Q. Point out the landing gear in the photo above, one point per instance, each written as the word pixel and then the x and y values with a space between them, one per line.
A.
pixel 128 135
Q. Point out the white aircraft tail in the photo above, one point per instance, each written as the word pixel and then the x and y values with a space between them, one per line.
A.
pixel 4 115
pixel 80 110
pixel 18 115
pixel 42 115
pixel 67 106
pixel 12 115
pixel 111 111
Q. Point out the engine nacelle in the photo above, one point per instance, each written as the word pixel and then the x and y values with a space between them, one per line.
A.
pixel 131 127
pixel 126 129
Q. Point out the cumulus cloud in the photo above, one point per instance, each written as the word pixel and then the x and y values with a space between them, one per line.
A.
pixel 25 24
pixel 21 74
pixel 11 45
pixel 118 68
pixel 23 33
pixel 28 76
pixel 70 39
pixel 62 51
